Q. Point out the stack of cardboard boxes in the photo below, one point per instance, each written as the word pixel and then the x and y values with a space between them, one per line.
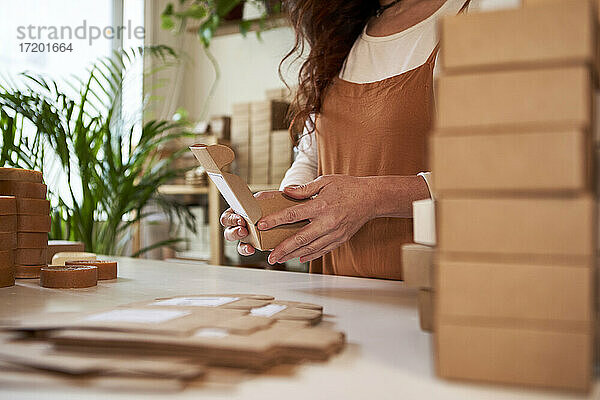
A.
pixel 265 118
pixel 8 240
pixel 259 136
pixel 512 162
pixel 32 219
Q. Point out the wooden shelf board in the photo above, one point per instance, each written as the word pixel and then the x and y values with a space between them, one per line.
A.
pixel 233 27
pixel 182 189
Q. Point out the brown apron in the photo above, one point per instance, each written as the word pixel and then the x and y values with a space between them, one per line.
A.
pixel 370 129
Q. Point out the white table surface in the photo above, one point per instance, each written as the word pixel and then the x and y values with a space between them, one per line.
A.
pixel 387 356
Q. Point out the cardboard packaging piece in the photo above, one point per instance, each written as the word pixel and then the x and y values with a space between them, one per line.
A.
pixel 558 294
pixel 267 116
pixel 559 33
pixel 424 222
pixel 418 266
pixel 239 197
pixel 18 174
pixel 28 271
pixel 106 269
pixel 425 305
pixel 542 228
pixel 33 206
pixel 30 256
pixel 527 99
pixel 61 246
pixel 8 241
pixel 33 223
pixel 537 357
pixel 69 277
pixel 8 223
pixel 7 258
pixel 32 240
pixel 7 275
pixel 8 205
pixel 508 162
pixel 23 189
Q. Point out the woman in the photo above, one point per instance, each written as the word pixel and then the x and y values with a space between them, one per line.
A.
pixel 368 82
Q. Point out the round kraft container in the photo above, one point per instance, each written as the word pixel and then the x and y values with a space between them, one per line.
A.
pixel 28 271
pixel 8 205
pixel 8 223
pixel 7 258
pixel 106 269
pixel 32 206
pixel 23 189
pixel 8 240
pixel 7 276
pixel 33 223
pixel 31 256
pixel 18 174
pixel 69 277
pixel 32 240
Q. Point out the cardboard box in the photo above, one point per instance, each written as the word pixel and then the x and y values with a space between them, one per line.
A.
pixel 417 265
pixel 538 357
pixel 509 162
pixel 541 292
pixel 560 33
pixel 240 124
pixel 541 228
pixel 546 98
pixel 425 305
pixel 239 197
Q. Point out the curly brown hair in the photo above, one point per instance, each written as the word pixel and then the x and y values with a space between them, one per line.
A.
pixel 329 28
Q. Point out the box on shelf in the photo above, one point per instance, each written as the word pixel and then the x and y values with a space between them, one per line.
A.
pixel 542 161
pixel 281 94
pixel 425 305
pixel 267 116
pixel 239 197
pixel 240 124
pixel 559 33
pixel 544 98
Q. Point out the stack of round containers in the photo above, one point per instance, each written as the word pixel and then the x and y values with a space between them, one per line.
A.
pixel 8 240
pixel 32 219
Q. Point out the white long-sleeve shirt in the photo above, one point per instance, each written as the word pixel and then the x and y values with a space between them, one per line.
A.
pixel 371 59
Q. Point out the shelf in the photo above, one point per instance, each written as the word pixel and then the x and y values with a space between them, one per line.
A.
pixel 182 189
pixel 233 27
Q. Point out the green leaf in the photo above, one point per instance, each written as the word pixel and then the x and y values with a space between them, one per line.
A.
pixel 167 22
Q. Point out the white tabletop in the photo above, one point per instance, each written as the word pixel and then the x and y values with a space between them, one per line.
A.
pixel 387 355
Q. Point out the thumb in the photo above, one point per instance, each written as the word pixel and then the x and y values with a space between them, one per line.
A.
pixel 305 191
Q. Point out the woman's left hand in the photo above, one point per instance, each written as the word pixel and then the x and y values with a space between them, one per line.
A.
pixel 341 206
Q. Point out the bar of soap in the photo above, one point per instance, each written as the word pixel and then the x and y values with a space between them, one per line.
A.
pixel 61 246
pixel 8 205
pixel 61 258
pixel 69 277
pixel 29 190
pixel 30 256
pixel 8 241
pixel 106 269
pixel 33 223
pixel 32 240
pixel 32 206
pixel 7 275
pixel 18 174
pixel 28 271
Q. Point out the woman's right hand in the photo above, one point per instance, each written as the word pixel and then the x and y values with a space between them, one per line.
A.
pixel 235 227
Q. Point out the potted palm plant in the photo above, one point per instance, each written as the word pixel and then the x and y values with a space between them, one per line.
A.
pixel 110 163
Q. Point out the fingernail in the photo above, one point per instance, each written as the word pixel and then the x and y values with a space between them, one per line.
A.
pixel 262 225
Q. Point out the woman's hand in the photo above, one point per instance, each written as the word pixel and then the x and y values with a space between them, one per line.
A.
pixel 235 227
pixel 341 206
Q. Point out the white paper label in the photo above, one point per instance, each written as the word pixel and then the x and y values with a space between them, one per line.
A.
pixel 268 310
pixel 211 333
pixel 227 193
pixel 195 301
pixel 141 316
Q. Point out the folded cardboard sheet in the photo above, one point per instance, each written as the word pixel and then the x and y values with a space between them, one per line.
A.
pixel 215 159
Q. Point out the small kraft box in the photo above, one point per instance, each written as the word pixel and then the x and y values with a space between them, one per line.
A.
pixel 239 197
pixel 282 155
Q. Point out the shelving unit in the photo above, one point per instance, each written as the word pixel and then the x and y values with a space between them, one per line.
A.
pixel 233 27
